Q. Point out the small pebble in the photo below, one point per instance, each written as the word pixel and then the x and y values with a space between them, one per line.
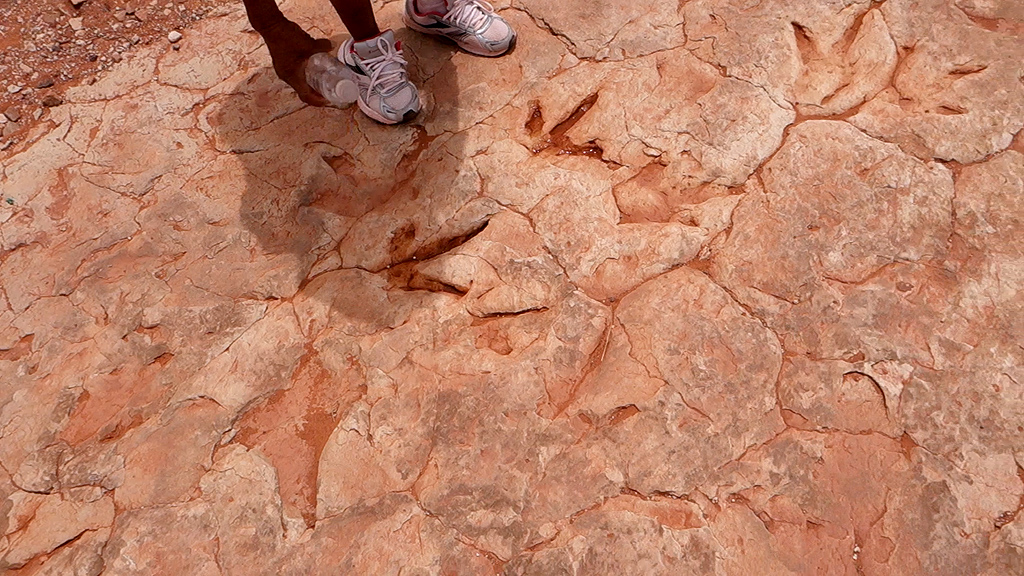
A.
pixel 50 101
pixel 77 3
pixel 37 114
pixel 75 23
pixel 13 89
pixel 45 83
pixel 12 114
pixel 173 36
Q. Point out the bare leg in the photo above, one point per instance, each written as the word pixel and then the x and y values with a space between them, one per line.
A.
pixel 358 18
pixel 290 46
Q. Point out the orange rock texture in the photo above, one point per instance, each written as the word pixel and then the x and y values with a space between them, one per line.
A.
pixel 699 287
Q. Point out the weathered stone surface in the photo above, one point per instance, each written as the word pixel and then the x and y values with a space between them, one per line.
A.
pixel 210 60
pixel 939 78
pixel 367 538
pixel 187 542
pixel 242 488
pixel 610 30
pixel 164 459
pixel 822 57
pixel 871 207
pixel 988 196
pixel 605 258
pixel 53 522
pixel 706 127
pixel 956 94
pixel 643 538
pixel 887 513
pixel 139 141
pixel 669 289
pixel 707 383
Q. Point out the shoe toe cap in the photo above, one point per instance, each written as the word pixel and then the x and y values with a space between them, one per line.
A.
pixel 497 39
pixel 498 33
pixel 399 105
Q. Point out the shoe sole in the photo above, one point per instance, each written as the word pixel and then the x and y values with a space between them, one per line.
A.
pixel 414 26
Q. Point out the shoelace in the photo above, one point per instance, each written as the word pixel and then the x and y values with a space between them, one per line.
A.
pixel 470 14
pixel 388 69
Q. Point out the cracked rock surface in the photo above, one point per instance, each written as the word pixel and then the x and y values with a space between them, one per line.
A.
pixel 706 287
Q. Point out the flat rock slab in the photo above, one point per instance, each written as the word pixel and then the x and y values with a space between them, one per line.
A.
pixel 703 287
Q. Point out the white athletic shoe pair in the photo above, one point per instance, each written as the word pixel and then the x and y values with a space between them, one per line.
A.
pixel 378 70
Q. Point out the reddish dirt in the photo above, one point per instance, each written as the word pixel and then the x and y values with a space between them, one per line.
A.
pixel 316 400
pixel 41 54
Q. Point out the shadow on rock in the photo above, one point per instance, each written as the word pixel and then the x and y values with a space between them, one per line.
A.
pixel 328 188
pixel 334 208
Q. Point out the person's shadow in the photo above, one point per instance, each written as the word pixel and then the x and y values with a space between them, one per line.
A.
pixel 312 173
pixel 326 190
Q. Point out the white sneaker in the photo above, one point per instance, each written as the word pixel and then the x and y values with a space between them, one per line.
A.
pixel 472 24
pixel 385 92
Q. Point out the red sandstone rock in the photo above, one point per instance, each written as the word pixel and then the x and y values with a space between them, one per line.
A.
pixel 671 289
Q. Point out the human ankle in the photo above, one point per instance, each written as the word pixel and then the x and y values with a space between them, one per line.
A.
pixel 359 40
pixel 431 6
